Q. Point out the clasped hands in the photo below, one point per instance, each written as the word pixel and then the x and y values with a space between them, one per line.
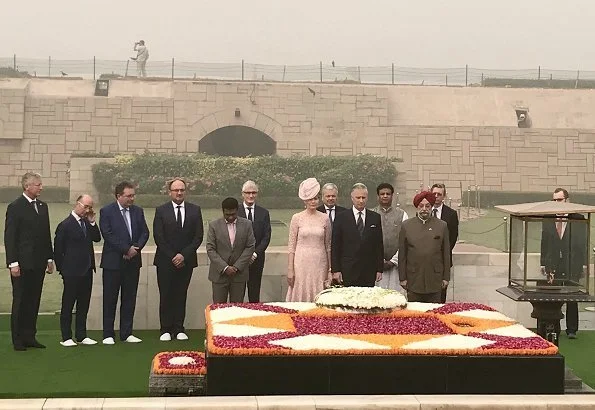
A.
pixel 132 252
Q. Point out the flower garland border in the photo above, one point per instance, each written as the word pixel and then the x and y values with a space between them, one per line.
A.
pixel 200 369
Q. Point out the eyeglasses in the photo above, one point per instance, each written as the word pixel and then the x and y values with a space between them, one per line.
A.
pixel 250 192
pixel 178 190
pixel 84 206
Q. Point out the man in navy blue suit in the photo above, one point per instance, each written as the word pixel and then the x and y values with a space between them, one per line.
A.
pixel 75 260
pixel 125 233
pixel 261 226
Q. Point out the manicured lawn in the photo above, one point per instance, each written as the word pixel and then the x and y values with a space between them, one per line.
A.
pixel 122 370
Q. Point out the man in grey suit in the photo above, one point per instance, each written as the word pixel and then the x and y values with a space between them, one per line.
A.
pixel 230 245
pixel 424 253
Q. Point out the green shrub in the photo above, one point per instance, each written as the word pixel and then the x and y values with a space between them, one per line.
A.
pixel 214 176
pixel 49 194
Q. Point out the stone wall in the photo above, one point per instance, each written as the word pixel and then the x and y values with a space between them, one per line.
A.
pixel 456 136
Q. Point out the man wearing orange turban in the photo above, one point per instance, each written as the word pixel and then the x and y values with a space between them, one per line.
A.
pixel 424 253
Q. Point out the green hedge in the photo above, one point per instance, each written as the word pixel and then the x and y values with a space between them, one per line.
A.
pixel 214 202
pixel 222 176
pixel 487 199
pixel 49 194
pixel 543 83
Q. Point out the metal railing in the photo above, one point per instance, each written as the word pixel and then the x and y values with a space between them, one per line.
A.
pixel 322 72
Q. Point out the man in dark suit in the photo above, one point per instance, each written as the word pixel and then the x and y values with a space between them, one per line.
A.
pixel 178 232
pixel 261 226
pixel 75 260
pixel 230 245
pixel 448 215
pixel 564 255
pixel 29 256
pixel 357 251
pixel 424 253
pixel 329 201
pixel 125 233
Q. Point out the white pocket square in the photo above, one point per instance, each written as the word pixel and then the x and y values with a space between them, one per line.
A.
pixel 372 226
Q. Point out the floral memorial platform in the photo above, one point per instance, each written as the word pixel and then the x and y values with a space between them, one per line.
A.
pixel 178 373
pixel 301 348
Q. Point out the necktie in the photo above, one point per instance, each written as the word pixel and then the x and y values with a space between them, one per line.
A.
pixel 360 224
pixel 126 216
pixel 34 203
pixel 559 228
pixel 435 213
pixel 250 217
pixel 330 214
pixel 231 229
pixel 83 227
pixel 179 217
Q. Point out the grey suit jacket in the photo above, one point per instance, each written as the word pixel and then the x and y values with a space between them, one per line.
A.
pixel 221 253
pixel 424 254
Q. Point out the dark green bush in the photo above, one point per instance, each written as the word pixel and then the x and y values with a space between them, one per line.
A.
pixel 222 176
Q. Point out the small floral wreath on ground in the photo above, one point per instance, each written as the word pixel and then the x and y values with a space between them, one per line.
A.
pixel 180 363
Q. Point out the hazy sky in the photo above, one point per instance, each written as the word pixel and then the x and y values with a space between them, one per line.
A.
pixel 429 33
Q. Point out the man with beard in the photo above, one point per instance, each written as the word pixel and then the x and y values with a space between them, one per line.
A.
pixel 424 253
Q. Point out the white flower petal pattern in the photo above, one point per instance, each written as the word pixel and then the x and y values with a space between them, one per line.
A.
pixel 312 342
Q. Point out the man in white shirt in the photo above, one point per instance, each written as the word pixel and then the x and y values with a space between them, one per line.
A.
pixel 75 260
pixel 329 201
pixel 142 55
pixel 443 212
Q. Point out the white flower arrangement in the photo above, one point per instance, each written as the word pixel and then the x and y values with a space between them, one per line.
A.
pixel 361 298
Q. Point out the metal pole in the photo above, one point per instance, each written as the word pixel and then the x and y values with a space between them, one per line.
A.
pixel 321 71
pixel 447 80
pixel 14 62
pixel 468 200
pixel 49 66
pixel 479 199
pixel 466 73
pixel 482 79
pixel 173 64
pixel 539 72
pixel 505 234
pixel 284 69
pixel 94 65
pixel 242 69
pixel 359 75
pixel 393 74
pixel 577 77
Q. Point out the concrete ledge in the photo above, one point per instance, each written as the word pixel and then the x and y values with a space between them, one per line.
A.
pixel 558 402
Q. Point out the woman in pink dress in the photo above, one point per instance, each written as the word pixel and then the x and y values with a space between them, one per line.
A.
pixel 309 247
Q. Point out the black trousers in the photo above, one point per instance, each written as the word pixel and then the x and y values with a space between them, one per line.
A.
pixel 255 279
pixel 363 280
pixel 173 290
pixel 424 297
pixel 571 317
pixel 77 289
pixel 126 280
pixel 26 295
pixel 443 295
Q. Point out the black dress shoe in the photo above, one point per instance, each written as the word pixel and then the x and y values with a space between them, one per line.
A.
pixel 35 344
pixel 19 348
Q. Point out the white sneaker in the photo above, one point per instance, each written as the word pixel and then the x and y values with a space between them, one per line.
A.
pixel 68 343
pixel 109 341
pixel 133 339
pixel 182 336
pixel 166 337
pixel 88 341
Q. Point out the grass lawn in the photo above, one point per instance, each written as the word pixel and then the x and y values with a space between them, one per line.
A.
pixel 122 370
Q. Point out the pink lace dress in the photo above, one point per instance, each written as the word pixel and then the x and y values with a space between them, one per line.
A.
pixel 310 243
